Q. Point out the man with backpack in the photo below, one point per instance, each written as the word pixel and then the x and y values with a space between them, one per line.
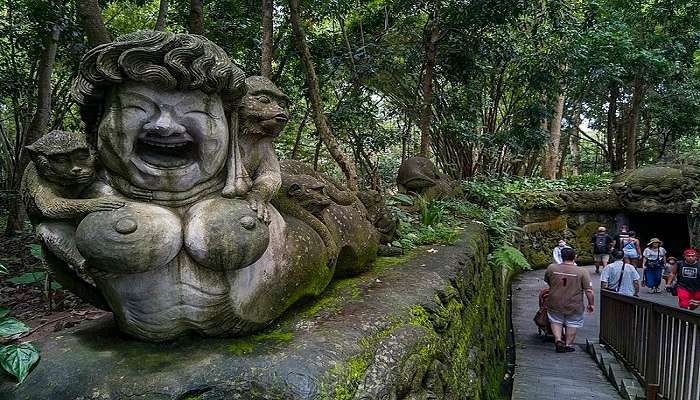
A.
pixel 567 285
pixel 620 277
pixel 602 244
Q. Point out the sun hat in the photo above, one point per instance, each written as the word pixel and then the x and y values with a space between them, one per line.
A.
pixel 655 240
pixel 601 229
pixel 690 252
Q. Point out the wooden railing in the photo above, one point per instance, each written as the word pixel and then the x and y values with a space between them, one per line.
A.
pixel 660 344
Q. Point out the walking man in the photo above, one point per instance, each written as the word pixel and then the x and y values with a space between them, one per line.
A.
pixel 602 244
pixel 687 273
pixel 620 277
pixel 567 285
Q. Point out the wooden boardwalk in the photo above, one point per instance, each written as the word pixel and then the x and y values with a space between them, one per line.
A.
pixel 543 374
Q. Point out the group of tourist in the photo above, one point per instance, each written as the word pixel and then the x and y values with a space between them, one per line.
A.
pixel 569 284
pixel 680 277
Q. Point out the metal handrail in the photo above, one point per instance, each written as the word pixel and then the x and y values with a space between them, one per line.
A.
pixel 660 344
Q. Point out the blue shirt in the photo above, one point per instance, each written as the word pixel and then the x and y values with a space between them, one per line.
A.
pixel 611 275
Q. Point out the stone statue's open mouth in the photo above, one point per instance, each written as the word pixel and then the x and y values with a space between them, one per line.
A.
pixel 167 152
pixel 84 178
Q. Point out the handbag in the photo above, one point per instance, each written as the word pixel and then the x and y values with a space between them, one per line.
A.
pixel 658 263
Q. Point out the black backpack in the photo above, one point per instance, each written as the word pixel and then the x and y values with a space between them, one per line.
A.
pixel 601 244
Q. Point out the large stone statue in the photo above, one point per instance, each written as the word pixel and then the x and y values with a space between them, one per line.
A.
pixel 174 226
pixel 659 188
pixel 419 175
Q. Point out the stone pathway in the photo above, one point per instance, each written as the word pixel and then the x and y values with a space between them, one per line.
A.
pixel 543 374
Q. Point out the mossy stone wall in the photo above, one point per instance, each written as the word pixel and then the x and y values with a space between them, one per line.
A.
pixel 543 229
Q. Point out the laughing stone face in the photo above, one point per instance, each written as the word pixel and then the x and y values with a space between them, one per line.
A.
pixel 166 140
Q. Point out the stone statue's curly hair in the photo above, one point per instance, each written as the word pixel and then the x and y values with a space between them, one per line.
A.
pixel 164 59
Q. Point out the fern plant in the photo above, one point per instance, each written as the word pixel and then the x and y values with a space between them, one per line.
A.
pixel 429 211
pixel 510 258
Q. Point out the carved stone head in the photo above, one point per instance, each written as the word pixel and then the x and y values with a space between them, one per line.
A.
pixel 63 158
pixel 264 108
pixel 158 106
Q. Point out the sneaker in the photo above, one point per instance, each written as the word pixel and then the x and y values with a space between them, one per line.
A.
pixel 569 349
pixel 561 348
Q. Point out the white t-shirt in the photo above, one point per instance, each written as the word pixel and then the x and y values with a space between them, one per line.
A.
pixel 654 254
pixel 556 254
pixel 611 275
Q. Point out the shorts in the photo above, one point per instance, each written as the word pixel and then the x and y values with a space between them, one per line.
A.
pixel 684 297
pixel 573 320
pixel 601 257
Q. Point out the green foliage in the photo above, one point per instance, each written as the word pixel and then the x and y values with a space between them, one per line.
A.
pixel 18 359
pixel 502 225
pixel 3 269
pixel 36 251
pixel 10 326
pixel 400 198
pixel 486 192
pixel 34 277
pixel 429 210
pixel 509 258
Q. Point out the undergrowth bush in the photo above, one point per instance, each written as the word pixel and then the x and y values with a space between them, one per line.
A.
pixel 510 258
pixel 495 202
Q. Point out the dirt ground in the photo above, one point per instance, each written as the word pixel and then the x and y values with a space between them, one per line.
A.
pixel 31 303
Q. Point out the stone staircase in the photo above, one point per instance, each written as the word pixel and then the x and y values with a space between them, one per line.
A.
pixel 624 381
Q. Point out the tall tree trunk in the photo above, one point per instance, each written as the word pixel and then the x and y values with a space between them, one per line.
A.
pixel 552 152
pixel 266 46
pixel 633 123
pixel 575 139
pixel 314 94
pixel 93 24
pixel 162 16
pixel 40 119
pixel 195 20
pixel 432 35
pixel 611 126
pixel 565 148
pixel 300 131
pixel 620 138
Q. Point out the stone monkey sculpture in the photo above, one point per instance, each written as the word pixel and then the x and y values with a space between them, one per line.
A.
pixel 379 215
pixel 420 175
pixel 334 190
pixel 54 188
pixel 303 197
pixel 262 116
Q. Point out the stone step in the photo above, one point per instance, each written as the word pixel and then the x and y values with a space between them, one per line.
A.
pixel 590 344
pixel 632 390
pixel 623 380
pixel 616 373
pixel 599 349
pixel 603 358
